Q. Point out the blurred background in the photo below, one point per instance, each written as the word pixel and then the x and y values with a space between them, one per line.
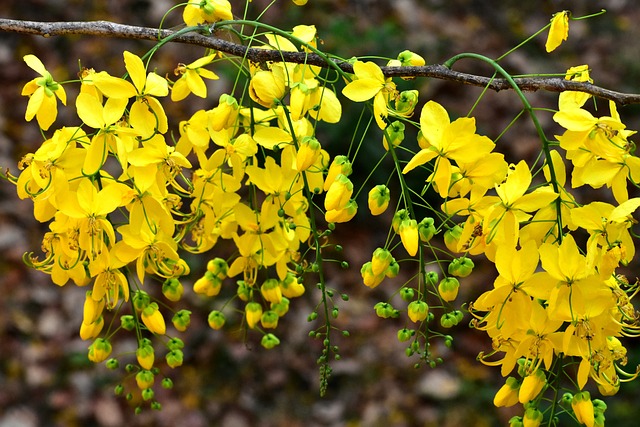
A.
pixel 228 379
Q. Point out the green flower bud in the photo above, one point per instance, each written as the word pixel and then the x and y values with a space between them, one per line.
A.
pixel 398 218
pixel 181 320
pixel 405 334
pixel 448 320
pixel 216 320
pixel 432 278
pixel 269 341
pixel 174 358
pixel 393 270
pixel 244 291
pixel 145 379
pixel 378 200
pixel 407 294
pixel 417 311
pixel 384 310
pixel 175 344
pixel 448 288
pixel 269 319
pixel 141 300
pixel 461 267
pixel 394 134
pixel 452 237
pixel 218 267
pixel 406 102
pixel 172 289
pixel 426 230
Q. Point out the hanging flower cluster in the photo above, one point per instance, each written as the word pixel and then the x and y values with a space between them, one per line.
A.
pixel 250 181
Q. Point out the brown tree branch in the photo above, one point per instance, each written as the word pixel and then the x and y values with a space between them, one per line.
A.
pixel 110 29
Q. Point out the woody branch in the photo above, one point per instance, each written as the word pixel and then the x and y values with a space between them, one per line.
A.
pixel 110 29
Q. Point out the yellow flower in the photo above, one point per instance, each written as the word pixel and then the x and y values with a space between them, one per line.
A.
pixel 146 115
pixel 502 220
pixel 267 87
pixel 559 30
pixel 370 83
pixel 108 138
pixel 42 94
pixel 198 12
pixel 447 141
pixel 190 80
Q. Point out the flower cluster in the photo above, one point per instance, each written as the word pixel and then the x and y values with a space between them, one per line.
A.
pixel 249 178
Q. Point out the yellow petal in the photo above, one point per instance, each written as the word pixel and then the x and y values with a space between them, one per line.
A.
pixel 362 90
pixel 559 30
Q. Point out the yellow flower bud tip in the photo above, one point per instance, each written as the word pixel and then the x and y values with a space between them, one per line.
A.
pixel 532 418
pixel 253 314
pixel 583 408
pixel 531 386
pixel 408 231
pixel 448 288
pixel 145 379
pixel 181 320
pixel 339 165
pixel 507 395
pixel 345 214
pixel 559 30
pixel 398 218
pixel 291 288
pixel 339 193
pixel 91 330
pixel 371 280
pixel 153 320
pixel 175 358
pixel 271 291
pixel 408 58
pixel 378 200
pixel 99 350
pixel 145 356
pixel 218 267
pixel 269 319
pixel 172 289
pixel 417 311
pixel 216 320
pixel 381 261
